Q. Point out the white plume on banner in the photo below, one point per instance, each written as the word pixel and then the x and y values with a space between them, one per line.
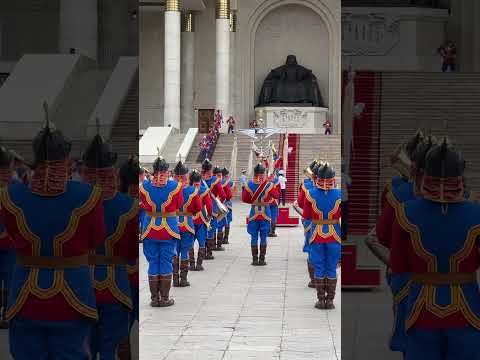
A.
pixel 233 160
pixel 348 115
pixel 285 153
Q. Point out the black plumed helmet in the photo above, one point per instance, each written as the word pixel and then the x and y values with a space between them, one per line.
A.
pixel 259 169
pixel 50 144
pixel 313 164
pixel 129 172
pixel 225 171
pixel 421 151
pixel 160 165
pixel 443 160
pixel 324 171
pixel 6 157
pixel 207 165
pixel 195 177
pixel 180 169
pixel 99 154
pixel 411 144
pixel 217 170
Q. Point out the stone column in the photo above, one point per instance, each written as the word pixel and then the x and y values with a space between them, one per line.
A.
pixel 187 76
pixel 171 114
pixel 222 12
pixel 233 65
pixel 78 27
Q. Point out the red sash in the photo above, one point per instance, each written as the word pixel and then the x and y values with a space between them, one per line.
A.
pixel 259 191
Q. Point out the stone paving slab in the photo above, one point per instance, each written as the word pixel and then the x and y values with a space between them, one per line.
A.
pixel 233 310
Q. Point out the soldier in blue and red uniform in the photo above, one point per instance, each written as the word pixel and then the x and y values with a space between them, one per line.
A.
pixel 222 218
pixel 190 207
pixel 274 202
pixel 201 221
pixel 161 198
pixel 258 193
pixel 215 188
pixel 228 204
pixel 110 259
pixel 129 174
pixel 394 197
pixel 307 183
pixel 7 252
pixel 54 223
pixel 322 208
pixel 436 240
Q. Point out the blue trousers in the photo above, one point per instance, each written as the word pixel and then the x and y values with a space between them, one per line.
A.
pixel 451 344
pixel 185 244
pixel 50 340
pixel 274 213
pixel 201 234
pixel 398 340
pixel 229 216
pixel 325 257
pixel 221 224
pixel 7 266
pixel 258 229
pixel 159 254
pixel 112 327
pixel 213 228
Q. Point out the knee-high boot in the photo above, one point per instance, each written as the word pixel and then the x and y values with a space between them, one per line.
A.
pixel 226 234
pixel 124 351
pixel 184 273
pixel 164 289
pixel 331 287
pixel 321 293
pixel 176 275
pixel 210 245
pixel 153 282
pixel 311 273
pixel 201 256
pixel 219 246
pixel 191 258
pixel 263 252
pixel 255 255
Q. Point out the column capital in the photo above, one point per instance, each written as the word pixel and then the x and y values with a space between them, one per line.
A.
pixel 172 5
pixel 222 9
pixel 233 20
pixel 188 23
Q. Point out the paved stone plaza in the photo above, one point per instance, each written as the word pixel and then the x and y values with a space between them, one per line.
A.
pixel 233 310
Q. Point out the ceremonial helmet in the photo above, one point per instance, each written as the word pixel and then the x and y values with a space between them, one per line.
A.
pixel 225 171
pixel 217 170
pixel 180 169
pixel 160 165
pixel 418 164
pixel 99 154
pixel 325 176
pixel 195 177
pixel 309 171
pixel 128 173
pixel 6 157
pixel 50 144
pixel 444 168
pixel 207 165
pixel 259 169
pixel 6 160
pixel 401 159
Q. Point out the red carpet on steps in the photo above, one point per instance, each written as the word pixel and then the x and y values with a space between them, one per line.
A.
pixel 293 168
pixel 364 164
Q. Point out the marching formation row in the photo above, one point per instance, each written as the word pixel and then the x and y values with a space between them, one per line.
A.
pixel 430 226
pixel 69 252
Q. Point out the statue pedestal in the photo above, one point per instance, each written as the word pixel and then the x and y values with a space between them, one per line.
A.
pixel 294 119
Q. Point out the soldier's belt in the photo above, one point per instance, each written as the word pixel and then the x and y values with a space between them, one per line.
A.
pixel 179 213
pixel 107 260
pixel 325 222
pixel 444 279
pixel 162 214
pixel 52 262
pixel 259 203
